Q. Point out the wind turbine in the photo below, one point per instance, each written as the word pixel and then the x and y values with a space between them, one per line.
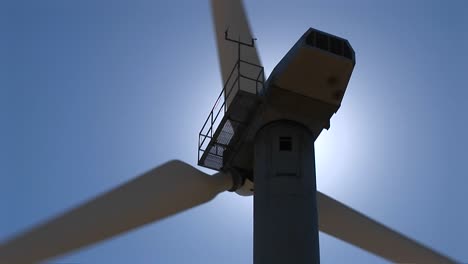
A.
pixel 259 132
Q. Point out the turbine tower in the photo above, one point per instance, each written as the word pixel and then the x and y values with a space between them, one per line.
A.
pixel 260 137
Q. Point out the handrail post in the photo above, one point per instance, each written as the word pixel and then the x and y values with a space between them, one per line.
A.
pixel 224 103
pixel 239 63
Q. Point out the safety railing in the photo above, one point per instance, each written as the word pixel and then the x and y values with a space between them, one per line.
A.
pixel 235 82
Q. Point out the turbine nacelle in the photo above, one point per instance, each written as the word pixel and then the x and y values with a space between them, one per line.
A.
pixel 309 83
pixel 307 86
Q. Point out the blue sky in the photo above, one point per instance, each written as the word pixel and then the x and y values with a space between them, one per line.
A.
pixel 96 92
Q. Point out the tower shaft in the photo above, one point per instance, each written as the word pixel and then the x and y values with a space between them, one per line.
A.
pixel 285 205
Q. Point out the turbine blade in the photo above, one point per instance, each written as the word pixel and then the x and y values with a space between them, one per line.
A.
pixel 163 191
pixel 229 15
pixel 345 223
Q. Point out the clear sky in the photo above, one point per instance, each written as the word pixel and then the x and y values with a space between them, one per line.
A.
pixel 96 92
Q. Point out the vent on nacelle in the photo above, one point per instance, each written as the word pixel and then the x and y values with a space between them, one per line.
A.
pixel 329 43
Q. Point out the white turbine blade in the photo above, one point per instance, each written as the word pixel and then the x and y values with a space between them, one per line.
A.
pixel 229 15
pixel 168 189
pixel 345 223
